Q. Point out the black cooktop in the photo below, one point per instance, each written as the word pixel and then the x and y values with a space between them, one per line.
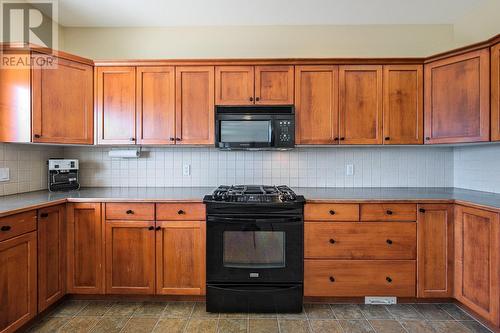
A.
pixel 253 194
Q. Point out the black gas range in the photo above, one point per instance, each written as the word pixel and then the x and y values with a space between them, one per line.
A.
pixel 255 237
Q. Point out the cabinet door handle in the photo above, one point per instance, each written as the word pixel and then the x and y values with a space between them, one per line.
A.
pixel 5 228
pixel 37 136
pixel 151 228
pixel 388 279
pixel 421 210
pixel 44 215
pixel 251 99
pixel 335 138
pixel 132 139
pixel 332 241
pixel 178 139
pixel 129 212
pixel 332 212
pixel 257 99
pixel 387 138
pixel 158 228
pixel 389 212
pixel 332 279
pixel 172 139
pixel 389 241
pixel 181 212
pixel 427 138
pixel 342 139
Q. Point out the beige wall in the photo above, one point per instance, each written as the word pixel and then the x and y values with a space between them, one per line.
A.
pixel 266 41
pixel 479 24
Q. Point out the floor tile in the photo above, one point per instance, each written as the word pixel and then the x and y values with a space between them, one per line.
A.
pixel 432 312
pixel 325 326
pixel 123 309
pixel 232 326
pixel 110 324
pixel 150 310
pixel 404 311
pixel 170 325
pixel 356 326
pixel 386 326
pixel 347 311
pixel 375 311
pixel 263 315
pixel 300 315
pixel 95 308
pixel 418 326
pixel 449 327
pixel 319 311
pixel 455 311
pixel 200 311
pixel 178 309
pixel 201 326
pixel 293 326
pixel 235 315
pixel 474 326
pixel 139 325
pixel 47 324
pixel 263 326
pixel 68 308
pixel 79 325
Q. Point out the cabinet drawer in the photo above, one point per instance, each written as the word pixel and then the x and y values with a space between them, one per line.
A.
pixel 331 212
pixel 15 225
pixel 370 240
pixel 180 211
pixel 388 212
pixel 351 278
pixel 130 211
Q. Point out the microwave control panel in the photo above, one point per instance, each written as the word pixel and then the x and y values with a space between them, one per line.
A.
pixel 286 130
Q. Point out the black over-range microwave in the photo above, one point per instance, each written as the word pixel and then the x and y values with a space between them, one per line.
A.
pixel 255 127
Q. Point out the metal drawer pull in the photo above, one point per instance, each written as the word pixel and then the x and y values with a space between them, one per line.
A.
pixel 44 215
pixel 388 279
pixel 180 212
pixel 158 228
pixel 389 241
pixel 332 279
pixel 421 210
pixel 151 228
pixel 332 241
pixel 332 212
pixel 389 212
pixel 6 228
pixel 129 212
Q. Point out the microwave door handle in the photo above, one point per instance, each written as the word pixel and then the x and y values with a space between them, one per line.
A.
pixel 271 132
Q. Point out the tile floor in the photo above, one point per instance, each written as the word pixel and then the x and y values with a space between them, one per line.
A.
pixel 175 317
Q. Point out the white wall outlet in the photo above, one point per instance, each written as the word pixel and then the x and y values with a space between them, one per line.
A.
pixel 4 174
pixel 186 170
pixel 349 169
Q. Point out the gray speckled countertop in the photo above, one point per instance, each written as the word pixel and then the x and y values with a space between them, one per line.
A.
pixel 32 200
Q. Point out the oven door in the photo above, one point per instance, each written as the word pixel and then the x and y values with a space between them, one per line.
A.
pixel 255 249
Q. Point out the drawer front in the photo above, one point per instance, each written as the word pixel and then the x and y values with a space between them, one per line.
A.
pixel 15 225
pixel 331 212
pixel 353 278
pixel 388 212
pixel 130 211
pixel 180 211
pixel 370 240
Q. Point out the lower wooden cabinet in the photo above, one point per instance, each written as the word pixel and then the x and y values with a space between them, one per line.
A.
pixel 477 261
pixel 85 249
pixel 51 255
pixel 18 287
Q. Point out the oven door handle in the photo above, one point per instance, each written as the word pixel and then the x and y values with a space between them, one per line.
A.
pixel 231 220
pixel 254 289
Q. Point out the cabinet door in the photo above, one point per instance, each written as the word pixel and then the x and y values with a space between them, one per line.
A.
pixel 180 258
pixel 62 102
pixel 273 85
pixel 435 251
pixel 51 256
pixel 477 251
pixel 194 108
pixel 495 93
pixel 234 85
pixel 316 104
pixel 403 104
pixel 85 272
pixel 130 257
pixel 116 105
pixel 17 281
pixel 360 104
pixel 457 98
pixel 156 105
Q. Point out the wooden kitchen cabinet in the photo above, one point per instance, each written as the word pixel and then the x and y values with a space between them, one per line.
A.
pixel 116 105
pixel 495 93
pixel 457 98
pixel 403 104
pixel 85 273
pixel 234 85
pixel 180 258
pixel 477 261
pixel 274 85
pixel 317 104
pixel 62 102
pixel 18 286
pixel 51 255
pixel 156 105
pixel 130 257
pixel 194 105
pixel 435 262
pixel 360 96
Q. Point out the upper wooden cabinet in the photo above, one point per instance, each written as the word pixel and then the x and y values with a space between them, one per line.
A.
pixel 248 85
pixel 116 103
pixel 62 102
pixel 316 104
pixel 194 105
pixel 360 104
pixel 457 98
pixel 403 104
pixel 495 93
pixel 156 105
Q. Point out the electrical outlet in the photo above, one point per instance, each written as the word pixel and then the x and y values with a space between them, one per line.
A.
pixel 186 170
pixel 4 174
pixel 349 170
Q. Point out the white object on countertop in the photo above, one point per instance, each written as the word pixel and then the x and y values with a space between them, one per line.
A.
pixel 125 153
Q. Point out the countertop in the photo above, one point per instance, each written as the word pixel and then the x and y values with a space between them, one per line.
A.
pixel 32 200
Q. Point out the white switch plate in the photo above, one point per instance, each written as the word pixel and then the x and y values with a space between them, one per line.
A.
pixel 4 174
pixel 186 170
pixel 349 170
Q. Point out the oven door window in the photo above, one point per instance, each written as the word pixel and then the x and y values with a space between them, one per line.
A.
pixel 254 249
pixel 245 131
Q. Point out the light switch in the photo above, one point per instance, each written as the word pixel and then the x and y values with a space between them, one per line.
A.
pixel 186 170
pixel 4 174
pixel 349 170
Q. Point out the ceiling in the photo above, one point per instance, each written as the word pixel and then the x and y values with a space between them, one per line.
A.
pixel 163 13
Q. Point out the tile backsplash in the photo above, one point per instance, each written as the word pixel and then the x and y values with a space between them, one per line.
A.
pixel 315 167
